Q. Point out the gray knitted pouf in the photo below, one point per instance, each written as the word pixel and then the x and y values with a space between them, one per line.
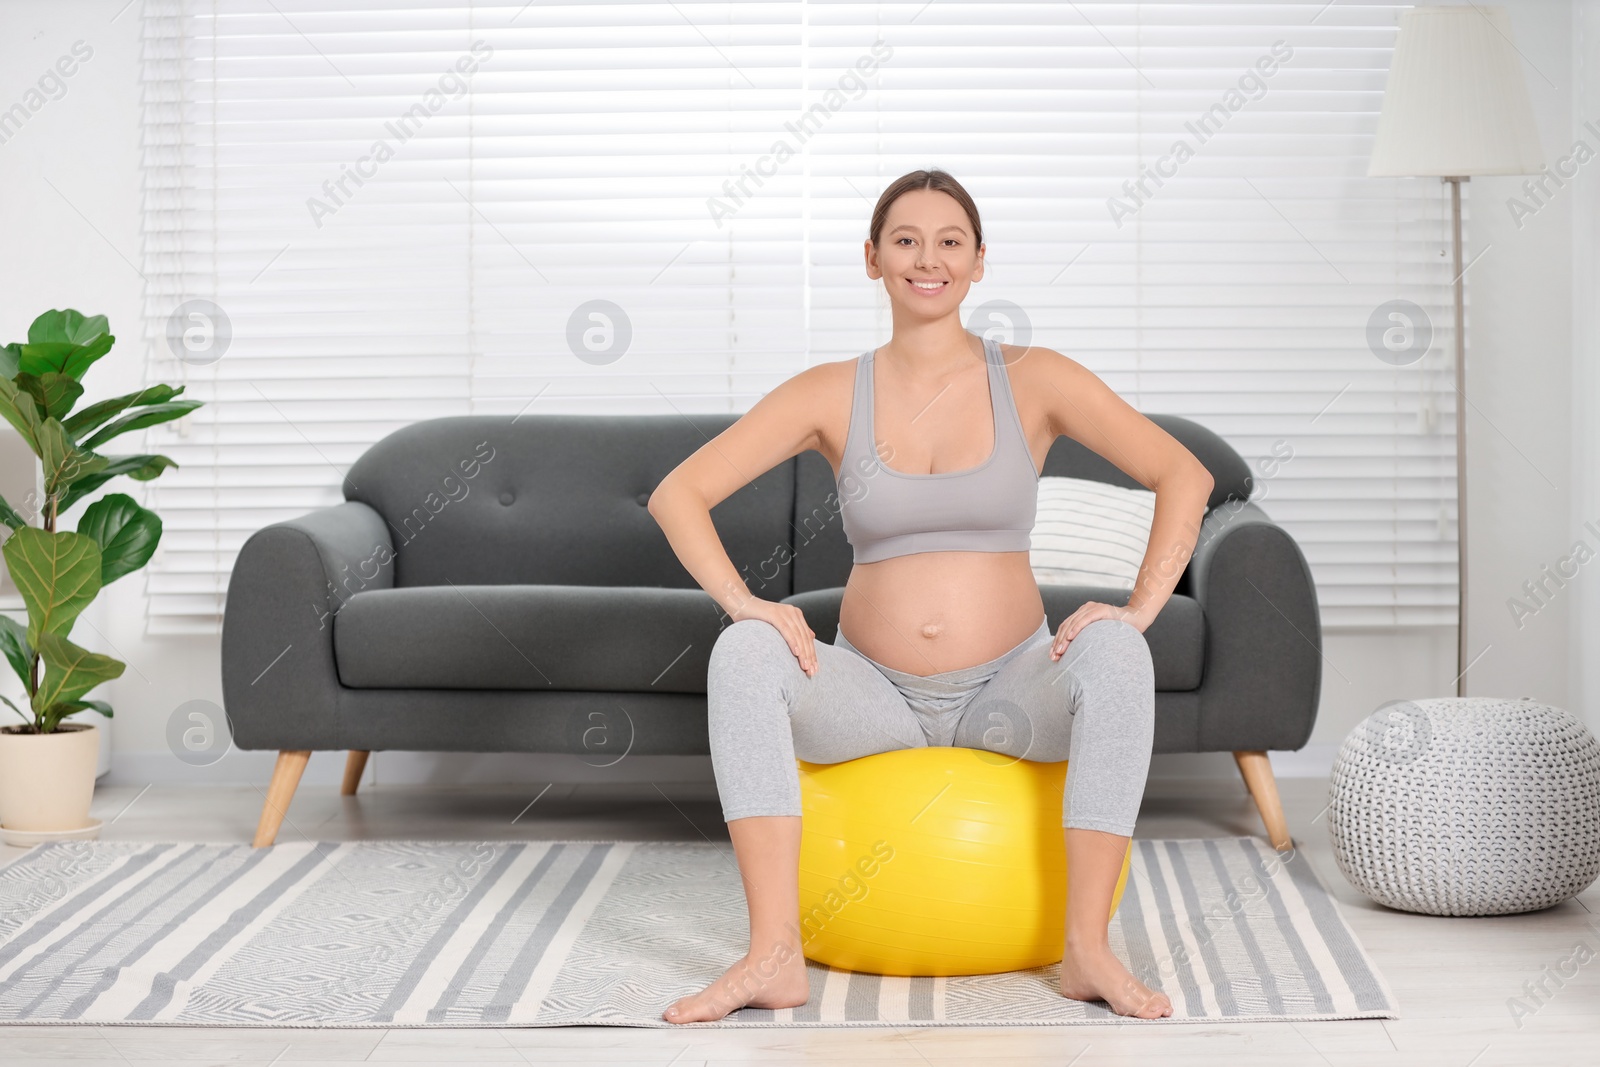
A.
pixel 1467 806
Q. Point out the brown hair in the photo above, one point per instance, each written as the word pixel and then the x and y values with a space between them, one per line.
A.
pixel 925 179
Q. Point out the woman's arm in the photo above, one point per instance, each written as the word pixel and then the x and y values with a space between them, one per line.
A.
pixel 780 425
pixel 1081 406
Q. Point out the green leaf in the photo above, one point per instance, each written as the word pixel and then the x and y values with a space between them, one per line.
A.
pixel 97 413
pixel 58 575
pixel 142 468
pixel 138 420
pixel 11 516
pixel 64 462
pixel 70 326
pixel 14 643
pixel 65 342
pixel 126 533
pixel 54 393
pixel 10 360
pixel 22 411
pixel 88 353
pixel 70 672
pixel 62 357
pixel 147 467
pixel 62 708
pixel 26 717
pixel 45 357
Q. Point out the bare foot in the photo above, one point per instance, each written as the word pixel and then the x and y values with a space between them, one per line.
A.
pixel 1095 973
pixel 776 981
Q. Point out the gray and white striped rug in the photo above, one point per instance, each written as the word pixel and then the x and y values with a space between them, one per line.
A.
pixel 436 934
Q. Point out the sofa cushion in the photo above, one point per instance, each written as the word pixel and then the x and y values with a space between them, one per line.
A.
pixel 628 639
pixel 1177 637
pixel 560 500
pixel 1089 533
pixel 637 639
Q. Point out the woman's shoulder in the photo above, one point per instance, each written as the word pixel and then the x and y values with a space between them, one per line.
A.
pixel 1032 357
pixel 1036 367
pixel 822 379
pixel 817 393
pixel 818 398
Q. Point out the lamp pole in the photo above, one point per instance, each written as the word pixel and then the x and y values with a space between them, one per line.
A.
pixel 1454 182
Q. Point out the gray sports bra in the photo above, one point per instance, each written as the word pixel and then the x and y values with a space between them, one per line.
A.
pixel 987 508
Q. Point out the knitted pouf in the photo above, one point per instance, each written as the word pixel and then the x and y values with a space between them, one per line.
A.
pixel 1467 806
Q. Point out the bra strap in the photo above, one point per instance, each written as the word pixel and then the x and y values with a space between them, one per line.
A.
pixel 860 414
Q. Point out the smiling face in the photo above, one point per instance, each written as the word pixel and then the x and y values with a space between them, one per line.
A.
pixel 926 255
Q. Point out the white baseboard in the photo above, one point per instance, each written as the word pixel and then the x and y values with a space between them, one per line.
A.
pixel 1313 761
pixel 434 769
pixel 467 769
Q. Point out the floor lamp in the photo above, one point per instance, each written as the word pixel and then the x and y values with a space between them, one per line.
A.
pixel 1456 105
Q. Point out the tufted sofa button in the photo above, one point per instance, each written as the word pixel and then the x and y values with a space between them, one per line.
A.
pixel 643 499
pixel 507 497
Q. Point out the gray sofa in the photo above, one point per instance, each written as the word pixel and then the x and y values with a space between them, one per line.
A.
pixel 495 583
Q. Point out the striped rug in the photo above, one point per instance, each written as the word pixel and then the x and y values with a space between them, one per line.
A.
pixel 435 934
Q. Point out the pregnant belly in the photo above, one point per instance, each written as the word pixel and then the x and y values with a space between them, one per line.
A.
pixel 932 612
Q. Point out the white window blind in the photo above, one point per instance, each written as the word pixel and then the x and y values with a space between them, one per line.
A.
pixel 390 243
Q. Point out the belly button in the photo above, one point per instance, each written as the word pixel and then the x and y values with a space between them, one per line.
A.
pixel 930 630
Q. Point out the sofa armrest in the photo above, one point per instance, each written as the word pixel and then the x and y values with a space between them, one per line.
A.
pixel 1263 668
pixel 280 682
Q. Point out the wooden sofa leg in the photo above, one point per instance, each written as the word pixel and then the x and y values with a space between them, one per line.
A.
pixel 1257 771
pixel 355 765
pixel 285 777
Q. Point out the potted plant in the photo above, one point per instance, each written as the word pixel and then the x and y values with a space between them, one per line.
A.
pixel 47 766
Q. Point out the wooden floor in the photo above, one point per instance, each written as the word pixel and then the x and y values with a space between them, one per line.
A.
pixel 1454 978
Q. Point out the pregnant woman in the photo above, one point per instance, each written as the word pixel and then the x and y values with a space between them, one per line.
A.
pixel 939 437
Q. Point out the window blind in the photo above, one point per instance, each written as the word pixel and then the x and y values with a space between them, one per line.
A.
pixel 393 212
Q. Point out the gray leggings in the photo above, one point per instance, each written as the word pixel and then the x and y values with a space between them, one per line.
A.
pixel 1094 707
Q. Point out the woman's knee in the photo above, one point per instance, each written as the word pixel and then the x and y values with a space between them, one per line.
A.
pixel 745 687
pixel 747 639
pixel 1121 628
pixel 1122 643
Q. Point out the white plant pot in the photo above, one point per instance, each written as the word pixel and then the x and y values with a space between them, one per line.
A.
pixel 47 780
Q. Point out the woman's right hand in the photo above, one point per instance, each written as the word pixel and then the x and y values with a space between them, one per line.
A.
pixel 789 621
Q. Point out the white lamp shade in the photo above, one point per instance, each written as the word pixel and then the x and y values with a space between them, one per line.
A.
pixel 1456 102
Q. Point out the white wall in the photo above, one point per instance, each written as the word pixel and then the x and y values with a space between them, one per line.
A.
pixel 1518 382
pixel 1583 636
pixel 71 177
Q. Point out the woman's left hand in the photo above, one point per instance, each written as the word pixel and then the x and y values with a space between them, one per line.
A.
pixel 1093 611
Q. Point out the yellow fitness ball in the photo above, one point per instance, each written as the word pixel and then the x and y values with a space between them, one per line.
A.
pixel 934 861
